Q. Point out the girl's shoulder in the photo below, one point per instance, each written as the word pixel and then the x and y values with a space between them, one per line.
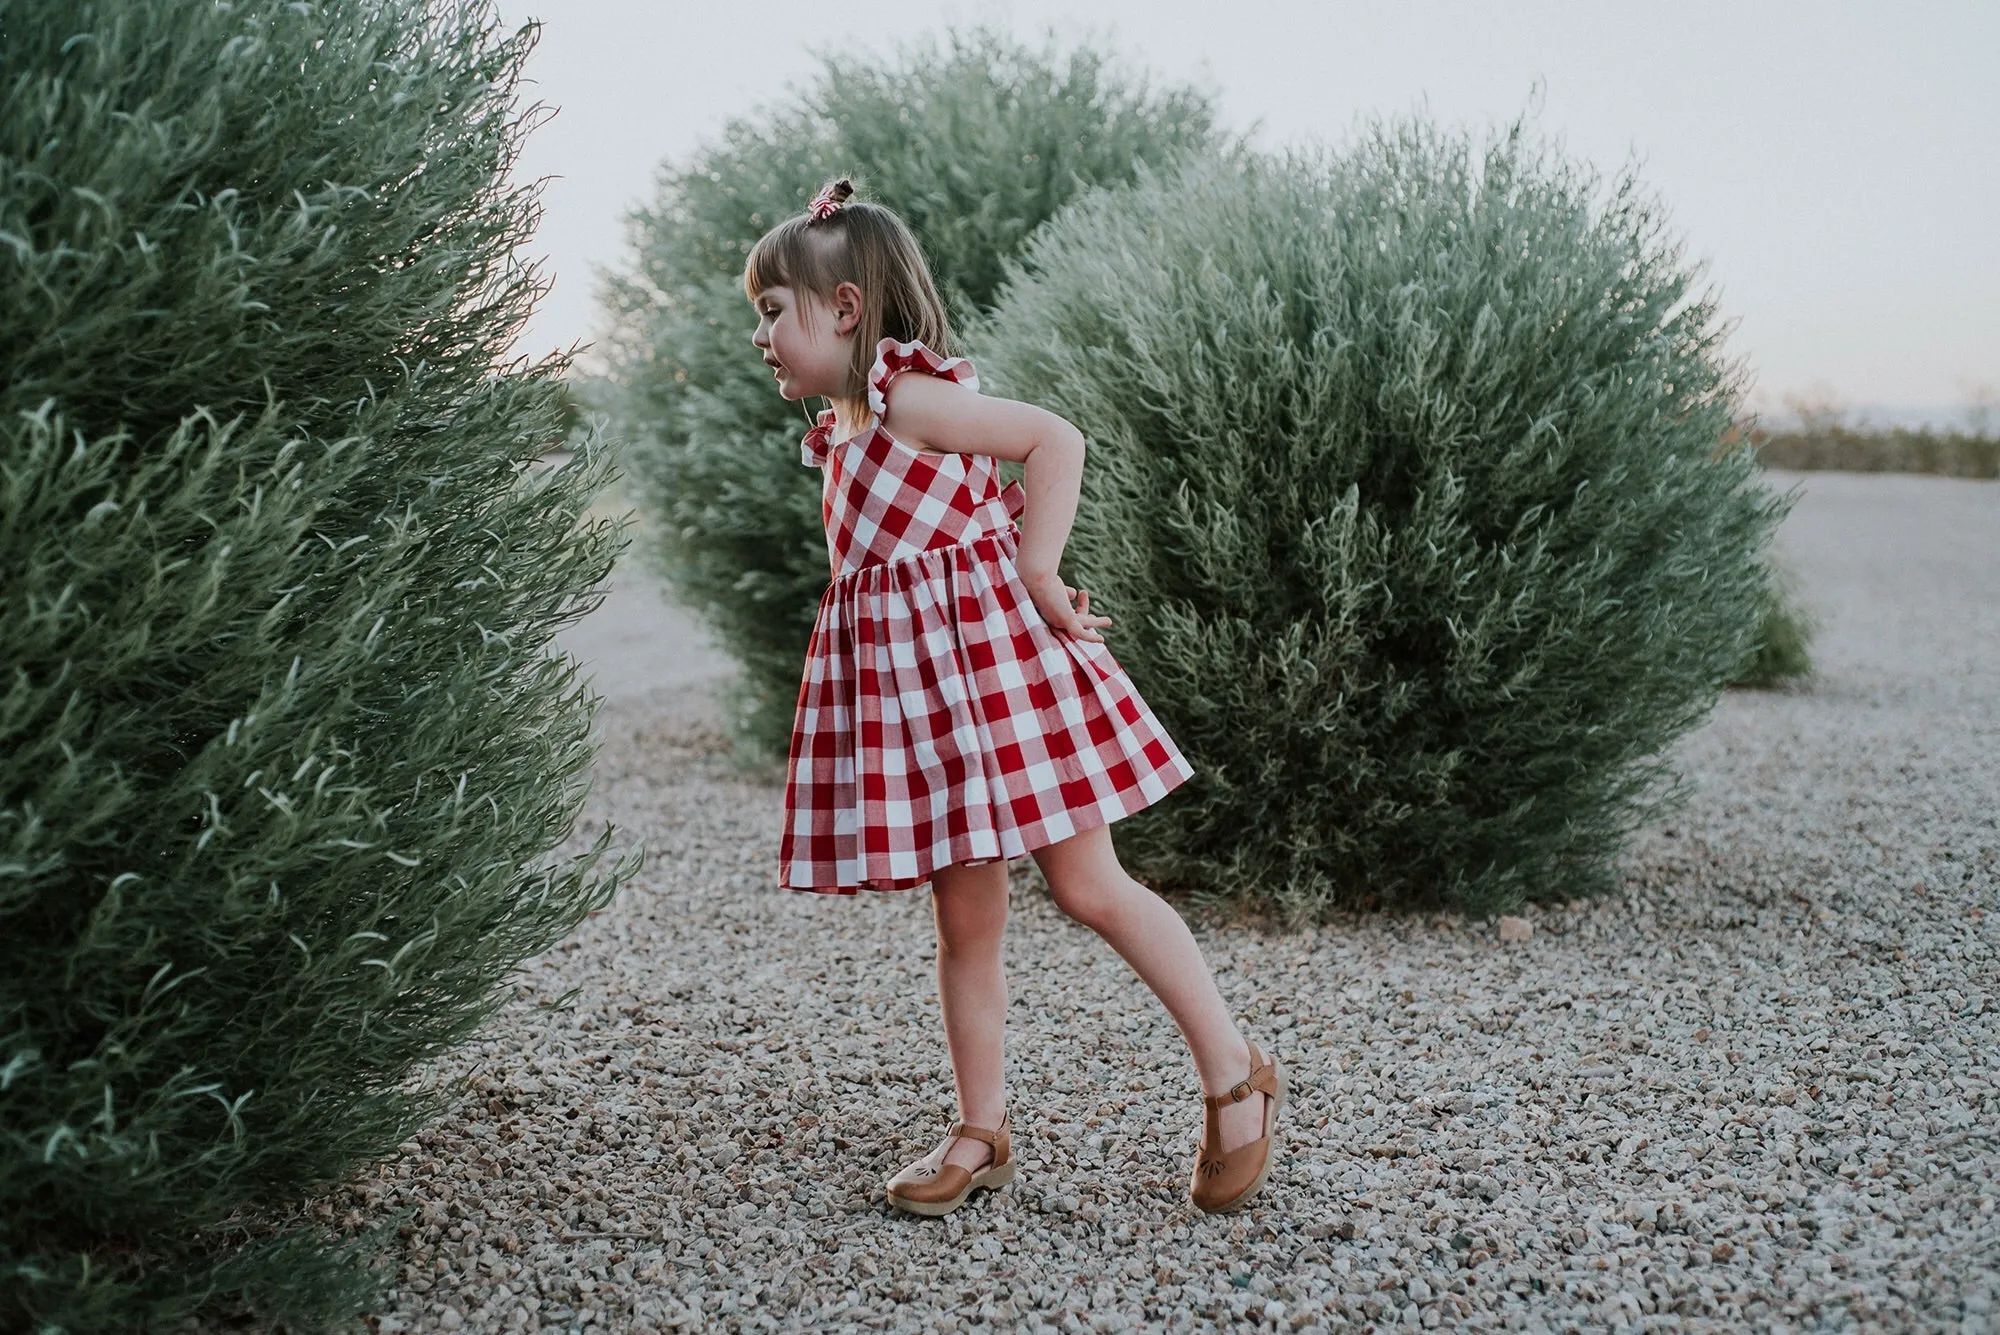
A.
pixel 892 358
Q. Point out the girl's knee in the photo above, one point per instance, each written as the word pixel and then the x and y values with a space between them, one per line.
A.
pixel 1089 901
pixel 1084 877
pixel 970 934
pixel 970 904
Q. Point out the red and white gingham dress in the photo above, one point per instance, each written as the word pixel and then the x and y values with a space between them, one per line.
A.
pixel 941 720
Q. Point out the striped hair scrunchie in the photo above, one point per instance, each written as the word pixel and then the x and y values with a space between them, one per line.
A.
pixel 828 201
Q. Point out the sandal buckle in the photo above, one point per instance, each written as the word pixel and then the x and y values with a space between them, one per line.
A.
pixel 1239 1091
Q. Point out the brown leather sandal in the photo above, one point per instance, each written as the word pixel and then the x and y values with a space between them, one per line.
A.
pixel 1223 1182
pixel 932 1187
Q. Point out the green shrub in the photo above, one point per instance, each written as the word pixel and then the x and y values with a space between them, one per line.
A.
pixel 1402 495
pixel 283 750
pixel 974 146
pixel 1785 631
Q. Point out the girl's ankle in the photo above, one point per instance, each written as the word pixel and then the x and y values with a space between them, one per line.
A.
pixel 1235 1069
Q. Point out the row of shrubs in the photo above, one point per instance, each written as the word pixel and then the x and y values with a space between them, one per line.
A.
pixel 1896 450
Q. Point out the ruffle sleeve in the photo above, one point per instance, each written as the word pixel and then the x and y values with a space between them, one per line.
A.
pixel 812 450
pixel 893 358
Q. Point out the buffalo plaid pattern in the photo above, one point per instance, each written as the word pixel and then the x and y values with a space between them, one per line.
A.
pixel 941 720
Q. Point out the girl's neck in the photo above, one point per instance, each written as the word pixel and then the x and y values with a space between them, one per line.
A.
pixel 849 418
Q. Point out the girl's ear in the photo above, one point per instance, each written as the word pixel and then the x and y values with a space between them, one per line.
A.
pixel 846 307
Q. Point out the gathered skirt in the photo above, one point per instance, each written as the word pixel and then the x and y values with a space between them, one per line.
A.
pixel 942 721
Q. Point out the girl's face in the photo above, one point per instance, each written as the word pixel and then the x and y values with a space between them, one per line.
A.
pixel 808 360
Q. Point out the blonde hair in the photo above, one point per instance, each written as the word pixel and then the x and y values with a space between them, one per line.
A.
pixel 864 244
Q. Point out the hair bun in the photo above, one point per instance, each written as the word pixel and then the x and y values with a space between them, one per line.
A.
pixel 828 201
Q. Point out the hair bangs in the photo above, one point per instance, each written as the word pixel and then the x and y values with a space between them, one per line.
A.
pixel 785 256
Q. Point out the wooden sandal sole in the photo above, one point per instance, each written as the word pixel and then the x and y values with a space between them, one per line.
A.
pixel 990 1178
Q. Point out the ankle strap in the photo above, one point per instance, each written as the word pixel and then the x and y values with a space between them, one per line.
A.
pixel 1260 1080
pixel 980 1132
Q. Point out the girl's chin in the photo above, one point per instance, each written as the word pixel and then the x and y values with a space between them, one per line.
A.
pixel 790 387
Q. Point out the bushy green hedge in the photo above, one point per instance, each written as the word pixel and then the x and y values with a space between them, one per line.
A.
pixel 283 746
pixel 974 144
pixel 1403 492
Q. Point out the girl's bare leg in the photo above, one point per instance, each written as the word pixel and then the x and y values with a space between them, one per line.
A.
pixel 970 904
pixel 1089 885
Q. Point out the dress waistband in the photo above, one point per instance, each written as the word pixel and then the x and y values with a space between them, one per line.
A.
pixel 994 542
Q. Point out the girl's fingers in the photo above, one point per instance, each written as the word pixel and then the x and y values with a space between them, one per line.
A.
pixel 1080 621
pixel 1080 627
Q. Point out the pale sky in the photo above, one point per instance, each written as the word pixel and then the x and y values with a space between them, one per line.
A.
pixel 1836 164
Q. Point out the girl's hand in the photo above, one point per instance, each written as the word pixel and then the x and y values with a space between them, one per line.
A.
pixel 1052 600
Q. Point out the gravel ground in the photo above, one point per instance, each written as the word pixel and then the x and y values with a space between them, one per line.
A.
pixel 1757 1091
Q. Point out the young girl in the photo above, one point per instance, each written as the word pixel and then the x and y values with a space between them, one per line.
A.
pixel 957 710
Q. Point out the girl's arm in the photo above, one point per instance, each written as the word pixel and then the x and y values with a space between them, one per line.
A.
pixel 941 415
